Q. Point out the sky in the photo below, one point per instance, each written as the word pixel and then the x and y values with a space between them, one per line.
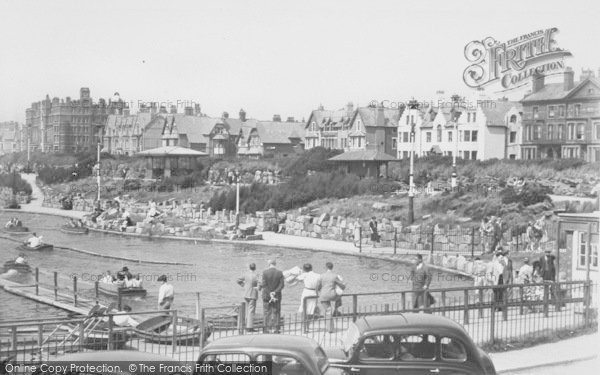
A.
pixel 267 57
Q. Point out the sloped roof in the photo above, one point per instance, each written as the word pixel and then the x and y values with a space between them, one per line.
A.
pixel 235 124
pixel 279 132
pixel 171 151
pixel 370 116
pixel 556 91
pixel 337 118
pixel 196 128
pixel 363 155
pixel 139 119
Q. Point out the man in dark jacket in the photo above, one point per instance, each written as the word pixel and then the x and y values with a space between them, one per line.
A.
pixel 421 278
pixel 271 284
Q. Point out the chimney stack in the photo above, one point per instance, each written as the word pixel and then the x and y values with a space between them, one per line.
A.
pixel 291 119
pixel 585 74
pixel 350 107
pixel 242 115
pixel 163 109
pixel 189 111
pixel 225 115
pixel 380 116
pixel 276 118
pixel 569 79
pixel 173 109
pixel 537 82
pixel 197 111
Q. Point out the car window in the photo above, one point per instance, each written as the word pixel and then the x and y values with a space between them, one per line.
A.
pixel 377 347
pixel 227 357
pixel 453 350
pixel 415 347
pixel 284 365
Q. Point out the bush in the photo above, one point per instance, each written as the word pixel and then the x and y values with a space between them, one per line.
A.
pixel 531 193
pixel 14 180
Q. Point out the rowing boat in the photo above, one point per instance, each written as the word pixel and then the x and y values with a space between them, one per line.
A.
pixel 159 330
pixel 73 230
pixel 20 267
pixel 42 247
pixel 114 290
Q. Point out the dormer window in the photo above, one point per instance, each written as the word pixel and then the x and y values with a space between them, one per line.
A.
pixel 513 119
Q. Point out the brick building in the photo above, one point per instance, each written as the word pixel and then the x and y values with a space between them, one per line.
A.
pixel 10 137
pixel 562 120
pixel 65 125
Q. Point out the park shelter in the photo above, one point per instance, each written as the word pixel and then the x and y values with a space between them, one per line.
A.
pixel 170 159
pixel 364 162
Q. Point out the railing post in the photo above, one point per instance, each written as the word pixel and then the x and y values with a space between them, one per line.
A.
pixel 360 239
pixel 395 236
pixel 242 318
pixel 586 302
pixel 472 242
pixel 493 321
pixel 355 307
pixel 96 291
pixel 110 331
pixel 174 337
pixel 466 307
pixel 522 298
pixel 40 340
pixel 37 281
pixel 81 337
pixel 55 285
pixel 505 303
pixel 403 300
pixel 119 299
pixel 443 303
pixel 304 317
pixel 546 291
pixel 14 341
pixel 74 290
pixel 202 328
pixel 432 240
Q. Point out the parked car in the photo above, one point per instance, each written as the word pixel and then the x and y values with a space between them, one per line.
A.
pixel 290 355
pixel 409 344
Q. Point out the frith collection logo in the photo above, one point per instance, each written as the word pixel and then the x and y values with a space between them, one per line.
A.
pixel 511 63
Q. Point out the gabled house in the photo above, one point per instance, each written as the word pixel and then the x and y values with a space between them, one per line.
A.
pixel 276 139
pixel 374 128
pixel 329 129
pixel 123 133
pixel 200 133
pixel 514 131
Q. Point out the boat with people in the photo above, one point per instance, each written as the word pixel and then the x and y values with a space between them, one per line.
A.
pixel 40 247
pixel 15 227
pixel 18 266
pixel 159 330
pixel 115 289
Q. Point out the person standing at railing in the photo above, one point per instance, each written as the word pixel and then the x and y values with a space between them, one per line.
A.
pixel 166 294
pixel 309 293
pixel 421 277
pixel 329 288
pixel 249 281
pixel 548 270
pixel 479 276
pixel 374 231
pixel 497 278
pixel 272 284
pixel 507 273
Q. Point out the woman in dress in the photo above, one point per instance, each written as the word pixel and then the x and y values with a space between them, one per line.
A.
pixel 310 280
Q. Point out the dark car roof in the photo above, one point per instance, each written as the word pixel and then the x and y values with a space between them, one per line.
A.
pixel 265 342
pixel 113 355
pixel 403 321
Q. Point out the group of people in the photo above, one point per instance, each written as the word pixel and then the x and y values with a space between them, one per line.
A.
pixel 534 234
pixel 322 293
pixel 123 278
pixel 34 241
pixel 499 271
pixel 13 223
pixel 491 231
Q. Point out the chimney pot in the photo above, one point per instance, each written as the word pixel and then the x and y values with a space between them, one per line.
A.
pixel 569 79
pixel 537 82
pixel 276 118
pixel 242 115
pixel 225 115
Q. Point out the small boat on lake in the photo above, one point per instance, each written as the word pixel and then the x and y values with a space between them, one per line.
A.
pixel 159 330
pixel 113 290
pixel 73 230
pixel 20 267
pixel 17 231
pixel 42 247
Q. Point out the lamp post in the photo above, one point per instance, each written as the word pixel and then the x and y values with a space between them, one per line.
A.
pixel 237 199
pixel 98 174
pixel 411 191
pixel 454 182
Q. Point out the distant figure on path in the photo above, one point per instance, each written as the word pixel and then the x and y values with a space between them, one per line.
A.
pixel 328 288
pixel 250 284
pixel 374 231
pixel 166 294
pixel 421 278
pixel 272 284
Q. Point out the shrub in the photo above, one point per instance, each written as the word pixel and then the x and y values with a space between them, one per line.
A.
pixel 14 180
pixel 531 193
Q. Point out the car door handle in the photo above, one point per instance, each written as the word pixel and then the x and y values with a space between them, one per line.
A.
pixel 435 370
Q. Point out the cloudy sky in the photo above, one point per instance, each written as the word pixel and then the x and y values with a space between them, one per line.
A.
pixel 268 57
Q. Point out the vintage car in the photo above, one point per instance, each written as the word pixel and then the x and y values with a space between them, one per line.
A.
pixel 287 354
pixel 409 344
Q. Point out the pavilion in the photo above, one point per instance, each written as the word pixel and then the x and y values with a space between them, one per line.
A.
pixel 364 162
pixel 170 158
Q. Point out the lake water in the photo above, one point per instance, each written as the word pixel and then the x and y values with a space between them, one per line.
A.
pixel 213 269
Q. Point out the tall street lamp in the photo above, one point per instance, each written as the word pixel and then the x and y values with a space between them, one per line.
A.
pixel 411 190
pixel 237 199
pixel 454 182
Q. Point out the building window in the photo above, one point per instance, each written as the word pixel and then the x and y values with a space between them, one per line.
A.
pixel 428 137
pixel 313 126
pixel 468 116
pixel 560 133
pixel 561 111
pixel 597 129
pixel 405 154
pixel 550 132
pixel 407 119
pixel 577 110
pixel 474 136
pixel 535 112
pixel 439 134
pixel 474 117
pixel 537 133
pixel 412 119
pixel 474 155
pixel 449 153
pixel 513 137
pixel 450 134
pixel 405 137
pixel 582 250
pixel 571 131
pixel 551 111
pixel 513 119
pixel 467 136
pixel 580 131
pixel 395 143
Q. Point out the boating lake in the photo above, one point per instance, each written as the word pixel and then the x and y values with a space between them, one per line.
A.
pixel 213 270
